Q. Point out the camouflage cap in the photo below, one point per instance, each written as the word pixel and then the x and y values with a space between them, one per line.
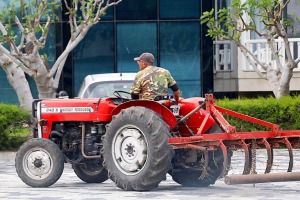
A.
pixel 147 57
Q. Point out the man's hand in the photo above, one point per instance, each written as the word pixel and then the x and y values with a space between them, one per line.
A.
pixel 177 95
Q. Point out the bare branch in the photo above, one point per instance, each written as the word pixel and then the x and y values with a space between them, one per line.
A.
pixel 252 59
pixel 97 17
pixel 11 42
pixel 24 10
pixel 83 9
pixel 67 5
pixel 22 33
pixel 101 11
pixel 2 28
pixel 255 28
pixel 43 38
pixel 13 46
pixel 36 47
pixel 297 61
pixel 271 42
pixel 40 13
pixel 285 5
pixel 72 18
pixel 19 63
pixel 58 73
pixel 243 22
pixel 288 49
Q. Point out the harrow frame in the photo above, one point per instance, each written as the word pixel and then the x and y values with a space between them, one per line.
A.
pixel 232 139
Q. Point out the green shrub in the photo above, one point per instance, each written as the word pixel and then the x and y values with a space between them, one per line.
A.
pixel 14 126
pixel 283 111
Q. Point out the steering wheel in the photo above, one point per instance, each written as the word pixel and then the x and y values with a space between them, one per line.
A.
pixel 119 92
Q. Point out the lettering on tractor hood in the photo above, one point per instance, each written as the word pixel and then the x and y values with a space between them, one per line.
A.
pixel 68 110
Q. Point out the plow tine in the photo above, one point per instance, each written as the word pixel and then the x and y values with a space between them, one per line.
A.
pixel 225 162
pixel 247 166
pixel 270 156
pixel 253 157
pixel 206 160
pixel 289 146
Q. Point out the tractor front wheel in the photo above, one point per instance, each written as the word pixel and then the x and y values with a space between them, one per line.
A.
pixel 39 162
pixel 136 150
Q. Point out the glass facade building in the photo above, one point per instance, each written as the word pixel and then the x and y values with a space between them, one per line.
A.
pixel 169 29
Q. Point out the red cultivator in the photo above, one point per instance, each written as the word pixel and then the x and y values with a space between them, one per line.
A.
pixel 231 139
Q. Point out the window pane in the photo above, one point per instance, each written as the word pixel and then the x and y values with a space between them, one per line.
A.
pixel 132 40
pixel 136 9
pixel 50 46
pixel 180 54
pixel 8 94
pixel 94 54
pixel 175 9
pixel 293 13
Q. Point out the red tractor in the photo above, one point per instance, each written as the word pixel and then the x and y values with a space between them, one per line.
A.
pixel 136 143
pixel 125 140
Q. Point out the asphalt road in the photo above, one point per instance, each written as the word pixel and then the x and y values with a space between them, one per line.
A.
pixel 71 187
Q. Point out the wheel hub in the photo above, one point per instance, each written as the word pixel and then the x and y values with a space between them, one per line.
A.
pixel 130 150
pixel 37 163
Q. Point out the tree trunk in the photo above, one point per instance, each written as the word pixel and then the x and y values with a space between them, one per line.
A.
pixel 285 80
pixel 45 87
pixel 16 78
pixel 44 83
pixel 273 79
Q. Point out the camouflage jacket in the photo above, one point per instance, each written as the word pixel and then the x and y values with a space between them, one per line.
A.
pixel 152 81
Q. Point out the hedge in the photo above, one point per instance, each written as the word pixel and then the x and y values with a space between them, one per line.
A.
pixel 284 112
pixel 13 121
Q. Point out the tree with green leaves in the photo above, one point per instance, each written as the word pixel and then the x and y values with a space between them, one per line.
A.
pixel 24 27
pixel 265 19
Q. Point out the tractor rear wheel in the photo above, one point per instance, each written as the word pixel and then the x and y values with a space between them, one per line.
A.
pixel 39 162
pixel 91 171
pixel 136 152
pixel 193 173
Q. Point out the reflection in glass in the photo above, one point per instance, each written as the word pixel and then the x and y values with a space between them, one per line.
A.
pixel 95 53
pixel 180 54
pixel 178 9
pixel 132 40
pixel 136 10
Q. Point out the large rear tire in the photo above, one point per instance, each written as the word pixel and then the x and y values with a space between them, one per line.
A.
pixel 194 174
pixel 39 162
pixel 91 171
pixel 136 152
